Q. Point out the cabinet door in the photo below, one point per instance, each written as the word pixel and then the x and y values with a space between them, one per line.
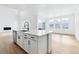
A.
pixel 42 44
pixel 22 41
pixel 26 45
pixel 33 45
pixel 15 36
pixel 18 39
pixel 26 42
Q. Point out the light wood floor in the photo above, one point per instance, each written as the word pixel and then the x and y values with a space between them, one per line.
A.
pixel 64 44
pixel 7 46
pixel 60 44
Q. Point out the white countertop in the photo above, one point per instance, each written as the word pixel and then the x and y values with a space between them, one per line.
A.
pixel 42 32
pixel 39 33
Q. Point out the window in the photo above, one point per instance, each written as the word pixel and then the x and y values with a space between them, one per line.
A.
pixel 51 23
pixel 58 23
pixel 65 23
pixel 57 26
pixel 41 24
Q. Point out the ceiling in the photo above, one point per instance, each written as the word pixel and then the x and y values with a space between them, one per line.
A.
pixel 43 9
pixel 39 6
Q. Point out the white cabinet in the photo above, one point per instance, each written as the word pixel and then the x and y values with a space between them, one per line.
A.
pixel 42 44
pixel 26 42
pixel 32 44
pixel 15 36
pixel 20 39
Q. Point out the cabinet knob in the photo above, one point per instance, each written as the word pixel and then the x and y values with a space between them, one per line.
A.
pixel 25 35
pixel 33 38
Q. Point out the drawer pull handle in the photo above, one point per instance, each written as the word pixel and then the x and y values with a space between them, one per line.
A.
pixel 32 37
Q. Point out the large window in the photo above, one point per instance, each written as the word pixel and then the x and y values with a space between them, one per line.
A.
pixel 53 23
pixel 59 23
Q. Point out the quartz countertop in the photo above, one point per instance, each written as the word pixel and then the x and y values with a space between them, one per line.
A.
pixel 38 33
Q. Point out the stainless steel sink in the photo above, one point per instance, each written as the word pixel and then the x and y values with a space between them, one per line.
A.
pixel 24 30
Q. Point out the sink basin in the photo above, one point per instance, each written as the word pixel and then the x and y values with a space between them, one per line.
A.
pixel 24 30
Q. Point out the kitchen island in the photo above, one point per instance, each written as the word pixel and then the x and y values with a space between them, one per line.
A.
pixel 34 43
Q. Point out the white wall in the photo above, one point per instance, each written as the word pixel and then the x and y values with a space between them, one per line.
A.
pixel 7 18
pixel 30 15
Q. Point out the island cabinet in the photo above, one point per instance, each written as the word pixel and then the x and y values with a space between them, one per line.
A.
pixel 20 39
pixel 32 44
